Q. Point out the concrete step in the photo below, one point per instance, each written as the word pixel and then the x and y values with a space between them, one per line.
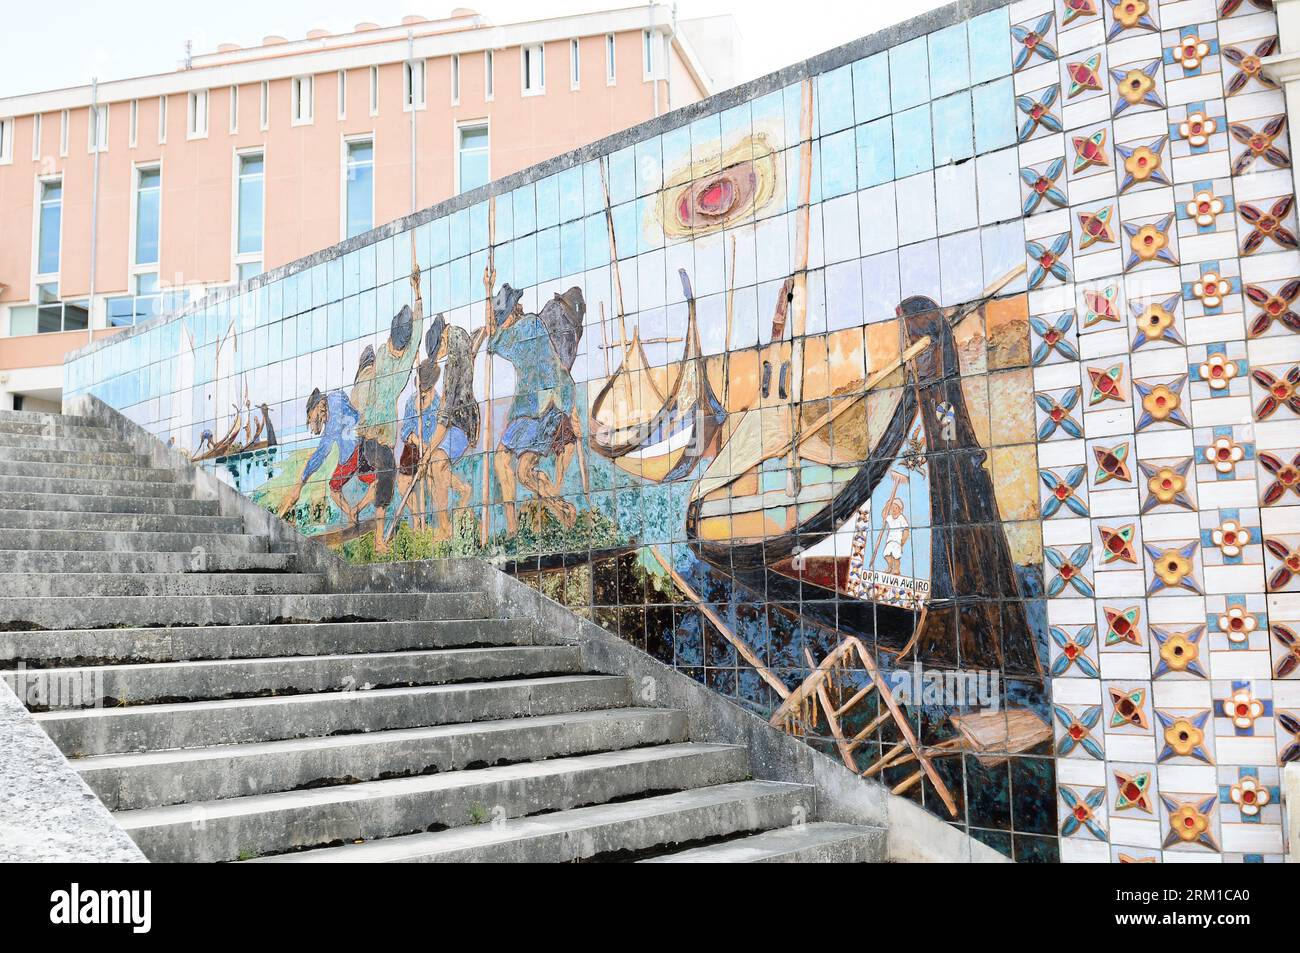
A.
pixel 73 540
pixel 65 585
pixel 83 485
pixel 64 441
pixel 810 843
pixel 250 720
pixel 37 418
pixel 64 561
pixel 158 778
pixel 76 431
pixel 129 646
pixel 293 820
pixel 108 612
pixel 83 471
pixel 74 503
pixel 119 522
pixel 627 827
pixel 153 683
pixel 58 454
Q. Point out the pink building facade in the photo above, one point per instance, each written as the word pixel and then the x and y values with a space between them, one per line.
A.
pixel 129 197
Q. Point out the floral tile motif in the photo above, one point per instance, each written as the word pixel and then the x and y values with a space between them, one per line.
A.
pixel 1036 108
pixel 1286 649
pixel 1113 463
pixel 1189 821
pixel 1166 485
pixel 1128 708
pixel 1079 811
pixel 1277 391
pixel 1064 494
pixel 1259 144
pixel 1191 51
pixel 1137 87
pixel 1067 573
pixel 1173 568
pixel 1056 414
pixel 1183 735
pixel 1275 302
pixel 1033 42
pixel 1142 164
pixel 1149 243
pixel 1079 11
pixel 1279 476
pixel 1042 187
pixel 1133 16
pixel 1249 795
pixel 1282 563
pixel 1155 321
pixel 1049 259
pixel 1161 403
pixel 1077 738
pixel 1055 340
pixel 1179 652
pixel 1268 225
pixel 1074 653
pixel 1249 67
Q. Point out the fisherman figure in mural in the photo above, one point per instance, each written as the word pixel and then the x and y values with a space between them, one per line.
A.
pixel 333 418
pixel 377 396
pixel 543 418
pixel 896 530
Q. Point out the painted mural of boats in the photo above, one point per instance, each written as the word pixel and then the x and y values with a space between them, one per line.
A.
pixel 651 434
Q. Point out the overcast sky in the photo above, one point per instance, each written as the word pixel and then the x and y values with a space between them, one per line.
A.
pixel 65 43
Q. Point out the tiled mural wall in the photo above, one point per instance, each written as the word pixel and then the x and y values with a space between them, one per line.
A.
pixel 940 407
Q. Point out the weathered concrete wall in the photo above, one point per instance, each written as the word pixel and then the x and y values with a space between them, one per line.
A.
pixel 957 362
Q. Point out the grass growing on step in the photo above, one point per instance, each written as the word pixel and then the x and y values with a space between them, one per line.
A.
pixel 478 814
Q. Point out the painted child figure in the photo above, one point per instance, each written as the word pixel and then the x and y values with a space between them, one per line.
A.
pixel 896 530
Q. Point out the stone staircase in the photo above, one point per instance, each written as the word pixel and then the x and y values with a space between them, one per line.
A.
pixel 227 699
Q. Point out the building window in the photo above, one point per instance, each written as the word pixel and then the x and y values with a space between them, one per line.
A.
pixel 49 314
pixel 250 191
pixel 343 94
pixel 413 84
pixel 51 228
pixel 147 300
pixel 611 66
pixel 455 79
pixel 97 129
pixel 359 187
pixel 63 133
pixel 533 59
pixel 374 90
pixel 575 68
pixel 302 100
pixel 489 68
pixel 265 116
pixel 162 119
pixel 7 140
pixel 198 114
pixel 234 110
pixel 472 156
pixel 148 217
pixel 648 53
pixel 36 136
pixel 133 129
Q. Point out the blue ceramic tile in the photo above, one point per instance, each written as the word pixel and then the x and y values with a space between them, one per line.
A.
pixel 913 146
pixel 835 99
pixel 871 87
pixel 625 229
pixel 526 261
pixel 548 202
pixel 440 240
pixel 478 228
pixel 572 237
pixel 880 288
pixel 918 270
pixel 961 266
pixel 875 148
pixel 596 240
pixel 570 183
pixel 706 140
pixel 909 74
pixel 838 164
pixel 990 46
pixel 622 174
pixel 524 203
pixel 593 192
pixel 953 138
pixel 995 115
pixel 648 172
pixel 949 62
pixel 767 114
